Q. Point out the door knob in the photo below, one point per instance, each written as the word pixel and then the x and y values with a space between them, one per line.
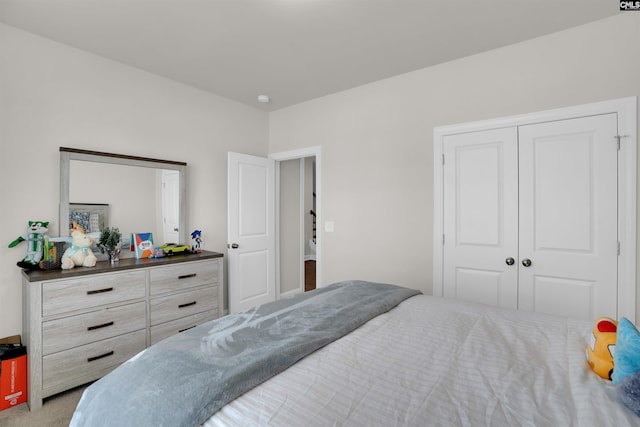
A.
pixel 235 246
pixel 526 262
pixel 510 261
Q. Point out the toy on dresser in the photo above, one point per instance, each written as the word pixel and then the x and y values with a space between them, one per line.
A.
pixel 79 253
pixel 34 237
pixel 196 236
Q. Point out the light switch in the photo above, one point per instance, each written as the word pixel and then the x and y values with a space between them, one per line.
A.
pixel 328 226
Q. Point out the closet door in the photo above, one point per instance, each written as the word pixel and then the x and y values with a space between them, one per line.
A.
pixel 568 217
pixel 480 217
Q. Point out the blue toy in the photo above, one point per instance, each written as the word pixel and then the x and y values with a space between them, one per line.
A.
pixel 626 360
pixel 196 236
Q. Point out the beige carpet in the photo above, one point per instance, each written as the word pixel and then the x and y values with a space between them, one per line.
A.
pixel 56 411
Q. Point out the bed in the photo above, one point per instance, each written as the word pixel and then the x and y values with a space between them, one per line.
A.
pixel 420 361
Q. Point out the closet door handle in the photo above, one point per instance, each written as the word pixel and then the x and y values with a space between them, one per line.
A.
pixel 526 262
pixel 510 261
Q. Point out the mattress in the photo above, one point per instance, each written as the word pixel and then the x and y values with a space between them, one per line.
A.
pixel 440 362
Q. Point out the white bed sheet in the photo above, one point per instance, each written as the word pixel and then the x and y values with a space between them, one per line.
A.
pixel 440 362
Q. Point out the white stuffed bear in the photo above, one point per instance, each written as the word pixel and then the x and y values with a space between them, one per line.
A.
pixel 79 253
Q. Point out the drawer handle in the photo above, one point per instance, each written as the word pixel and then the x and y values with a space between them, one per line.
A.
pixel 91 359
pixel 186 329
pixel 187 276
pixel 104 325
pixel 99 291
pixel 187 304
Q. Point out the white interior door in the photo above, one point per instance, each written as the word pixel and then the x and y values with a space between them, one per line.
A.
pixel 583 160
pixel 545 196
pixel 171 206
pixel 480 217
pixel 568 217
pixel 251 231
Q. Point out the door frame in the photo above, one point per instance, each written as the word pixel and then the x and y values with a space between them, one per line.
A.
pixel 626 110
pixel 292 155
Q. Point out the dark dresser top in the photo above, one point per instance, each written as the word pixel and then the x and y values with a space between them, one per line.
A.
pixel 107 267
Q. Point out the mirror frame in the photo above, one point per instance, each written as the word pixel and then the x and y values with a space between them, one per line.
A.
pixel 68 154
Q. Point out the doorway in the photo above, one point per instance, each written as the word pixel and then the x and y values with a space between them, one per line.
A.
pixel 297 222
pixel 298 184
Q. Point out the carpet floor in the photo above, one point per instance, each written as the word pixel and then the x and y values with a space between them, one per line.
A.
pixel 56 411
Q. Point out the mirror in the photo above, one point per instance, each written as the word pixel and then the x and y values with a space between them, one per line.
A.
pixel 135 194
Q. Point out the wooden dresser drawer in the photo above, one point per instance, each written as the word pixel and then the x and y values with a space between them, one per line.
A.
pixel 91 291
pixel 165 330
pixel 66 369
pixel 185 275
pixel 73 331
pixel 171 307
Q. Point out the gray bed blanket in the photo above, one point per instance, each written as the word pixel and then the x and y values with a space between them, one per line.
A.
pixel 183 380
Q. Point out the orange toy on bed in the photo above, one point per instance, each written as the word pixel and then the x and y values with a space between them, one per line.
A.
pixel 602 347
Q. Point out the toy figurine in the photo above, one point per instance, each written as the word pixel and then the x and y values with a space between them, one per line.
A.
pixel 35 239
pixel 196 236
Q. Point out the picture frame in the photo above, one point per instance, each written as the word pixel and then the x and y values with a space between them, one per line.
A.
pixel 92 217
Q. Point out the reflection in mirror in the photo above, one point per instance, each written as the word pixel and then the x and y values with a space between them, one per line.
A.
pixel 92 218
pixel 143 195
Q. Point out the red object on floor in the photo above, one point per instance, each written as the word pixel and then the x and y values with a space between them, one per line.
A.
pixel 13 372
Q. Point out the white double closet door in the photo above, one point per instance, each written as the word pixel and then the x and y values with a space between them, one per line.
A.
pixel 530 217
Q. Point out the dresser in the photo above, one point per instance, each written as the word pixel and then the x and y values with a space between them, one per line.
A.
pixel 80 324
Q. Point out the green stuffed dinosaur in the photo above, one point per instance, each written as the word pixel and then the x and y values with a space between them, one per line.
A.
pixel 34 238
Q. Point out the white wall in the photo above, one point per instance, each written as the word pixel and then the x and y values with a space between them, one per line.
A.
pixel 377 140
pixel 52 95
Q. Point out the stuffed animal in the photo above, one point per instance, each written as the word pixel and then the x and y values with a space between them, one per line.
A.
pixel 34 238
pixel 602 347
pixel 79 253
pixel 626 375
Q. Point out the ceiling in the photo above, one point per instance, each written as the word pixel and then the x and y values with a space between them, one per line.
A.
pixel 292 50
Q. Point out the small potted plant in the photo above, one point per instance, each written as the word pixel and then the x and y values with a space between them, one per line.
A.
pixel 110 242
